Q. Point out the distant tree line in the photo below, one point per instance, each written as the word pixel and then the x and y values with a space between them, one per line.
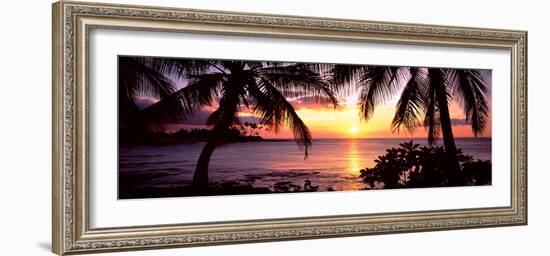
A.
pixel 241 133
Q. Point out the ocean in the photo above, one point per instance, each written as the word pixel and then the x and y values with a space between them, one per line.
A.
pixel 332 163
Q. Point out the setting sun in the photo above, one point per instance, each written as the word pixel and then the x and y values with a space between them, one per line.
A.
pixel 354 130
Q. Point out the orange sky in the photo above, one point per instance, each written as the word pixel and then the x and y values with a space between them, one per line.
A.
pixel 344 122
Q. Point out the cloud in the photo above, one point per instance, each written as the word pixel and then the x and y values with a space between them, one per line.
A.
pixel 199 117
pixel 458 121
pixel 454 122
pixel 310 102
pixel 144 102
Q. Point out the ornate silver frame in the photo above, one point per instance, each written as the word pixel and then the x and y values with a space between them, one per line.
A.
pixel 72 21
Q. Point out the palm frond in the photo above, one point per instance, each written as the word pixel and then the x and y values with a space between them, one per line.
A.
pixel 471 89
pixel 180 68
pixel 376 86
pixel 411 103
pixel 252 65
pixel 201 91
pixel 138 78
pixel 232 90
pixel 270 114
pixel 274 111
pixel 299 80
pixel 226 114
pixel 343 77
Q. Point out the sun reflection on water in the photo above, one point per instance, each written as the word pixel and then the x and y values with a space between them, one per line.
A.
pixel 354 165
pixel 354 158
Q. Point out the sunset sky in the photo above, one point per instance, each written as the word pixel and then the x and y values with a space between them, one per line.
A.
pixel 325 121
pixel 343 122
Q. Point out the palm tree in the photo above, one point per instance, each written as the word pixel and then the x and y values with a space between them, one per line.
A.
pixel 261 87
pixel 138 76
pixel 427 92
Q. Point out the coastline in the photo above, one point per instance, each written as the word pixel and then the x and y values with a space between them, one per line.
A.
pixel 175 140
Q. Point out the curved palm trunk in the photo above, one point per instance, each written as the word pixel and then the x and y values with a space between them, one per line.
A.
pixel 200 178
pixel 227 111
pixel 446 126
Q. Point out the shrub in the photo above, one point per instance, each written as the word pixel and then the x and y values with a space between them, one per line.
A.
pixel 413 166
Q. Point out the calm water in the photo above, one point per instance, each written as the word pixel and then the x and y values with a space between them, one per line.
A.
pixel 332 163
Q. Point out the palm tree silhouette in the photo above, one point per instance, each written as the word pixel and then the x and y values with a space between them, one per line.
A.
pixel 261 87
pixel 139 76
pixel 427 92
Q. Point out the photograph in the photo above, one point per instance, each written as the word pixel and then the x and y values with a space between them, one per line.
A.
pixel 206 127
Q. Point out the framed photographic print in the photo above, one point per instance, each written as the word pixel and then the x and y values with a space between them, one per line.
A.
pixel 178 127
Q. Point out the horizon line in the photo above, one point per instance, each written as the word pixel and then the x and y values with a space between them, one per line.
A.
pixel 412 138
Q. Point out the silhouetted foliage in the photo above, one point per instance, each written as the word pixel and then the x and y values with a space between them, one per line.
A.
pixel 233 134
pixel 129 190
pixel 411 165
pixel 288 187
